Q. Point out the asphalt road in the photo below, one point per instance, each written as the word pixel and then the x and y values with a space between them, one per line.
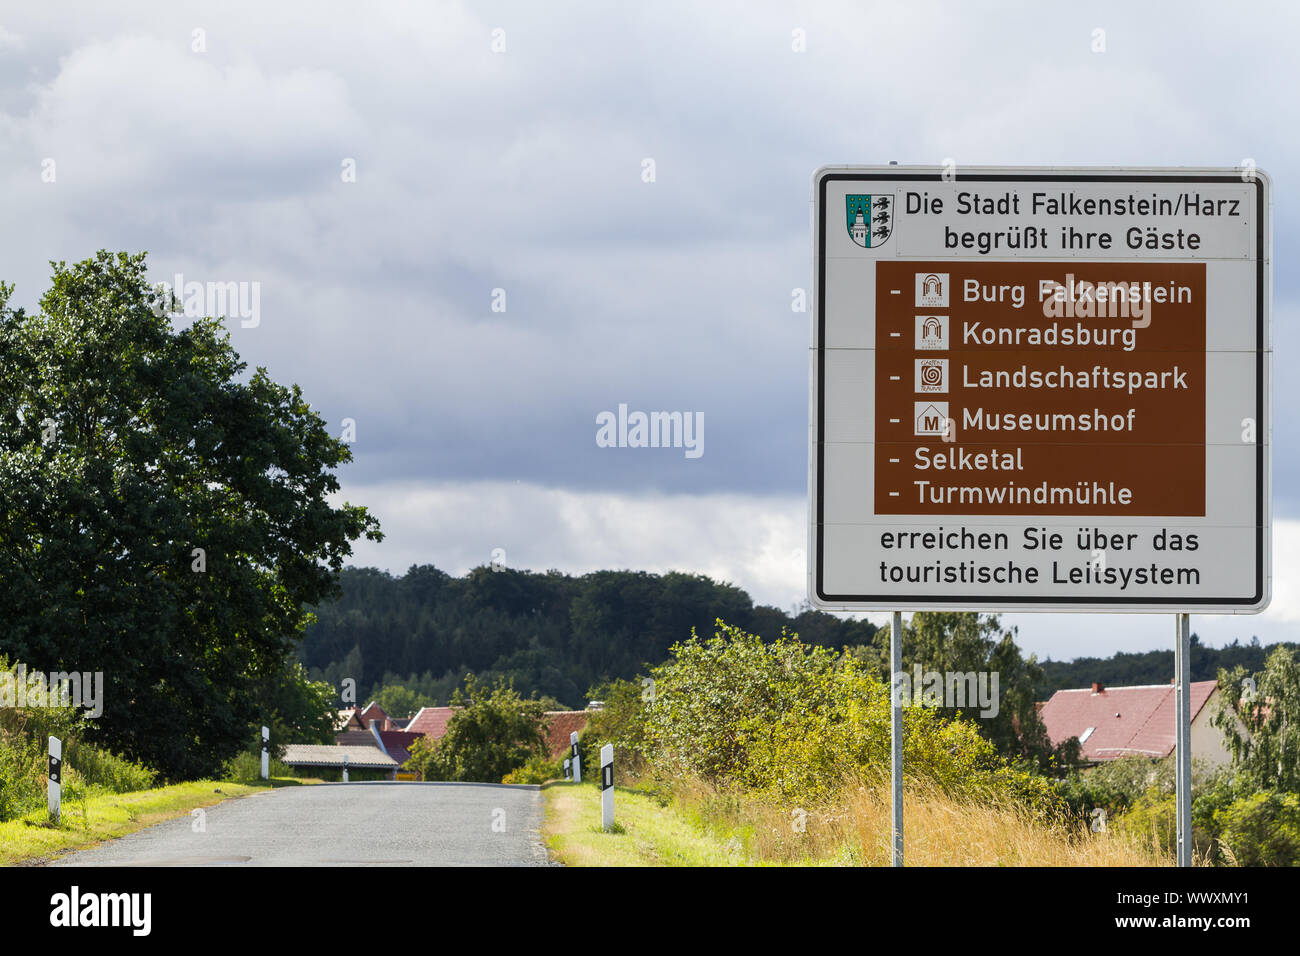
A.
pixel 346 824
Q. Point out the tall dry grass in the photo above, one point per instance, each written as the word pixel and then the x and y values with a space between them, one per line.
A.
pixel 939 830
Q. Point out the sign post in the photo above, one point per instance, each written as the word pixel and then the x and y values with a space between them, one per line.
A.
pixel 1041 389
pixel 54 789
pixel 266 753
pixel 607 786
pixel 577 760
pixel 896 738
pixel 1183 737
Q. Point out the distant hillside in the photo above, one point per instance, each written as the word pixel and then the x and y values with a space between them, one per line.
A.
pixel 552 633
pixel 1151 667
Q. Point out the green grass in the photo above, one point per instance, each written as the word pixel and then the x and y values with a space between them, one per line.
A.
pixel 32 840
pixel 646 833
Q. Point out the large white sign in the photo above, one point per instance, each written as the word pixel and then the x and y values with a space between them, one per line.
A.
pixel 1040 389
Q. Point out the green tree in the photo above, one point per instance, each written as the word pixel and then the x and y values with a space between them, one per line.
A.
pixel 495 731
pixel 965 642
pixel 164 517
pixel 401 701
pixel 297 710
pixel 1260 718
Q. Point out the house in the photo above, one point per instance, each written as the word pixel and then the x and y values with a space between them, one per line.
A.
pixel 431 722
pixel 372 712
pixel 559 724
pixel 1113 722
pixel 325 756
pixel 349 718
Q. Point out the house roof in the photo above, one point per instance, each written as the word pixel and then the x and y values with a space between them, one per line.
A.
pixel 559 724
pixel 323 755
pixel 356 738
pixel 398 743
pixel 1120 721
pixel 347 717
pixel 431 722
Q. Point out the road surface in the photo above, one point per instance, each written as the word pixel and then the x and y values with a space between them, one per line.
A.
pixel 346 824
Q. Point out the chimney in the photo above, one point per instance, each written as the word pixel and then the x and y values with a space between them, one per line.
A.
pixel 1098 687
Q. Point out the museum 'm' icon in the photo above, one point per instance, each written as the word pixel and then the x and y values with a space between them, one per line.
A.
pixel 869 218
pixel 931 418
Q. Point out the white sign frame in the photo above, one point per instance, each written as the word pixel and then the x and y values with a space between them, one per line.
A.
pixel 1040 597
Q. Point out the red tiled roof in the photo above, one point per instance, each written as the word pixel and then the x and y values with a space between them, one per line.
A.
pixel 431 722
pixel 561 723
pixel 398 743
pixel 1126 721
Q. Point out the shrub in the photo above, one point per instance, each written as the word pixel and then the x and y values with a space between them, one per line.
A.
pixel 1262 829
pixel 494 732
pixel 21 768
pixel 106 770
pixel 247 767
pixel 796 721
pixel 539 769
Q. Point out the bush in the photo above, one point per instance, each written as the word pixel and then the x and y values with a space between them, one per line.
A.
pixel 538 769
pixel 621 722
pixel 21 770
pixel 247 768
pixel 106 770
pixel 795 721
pixel 1262 829
pixel 495 732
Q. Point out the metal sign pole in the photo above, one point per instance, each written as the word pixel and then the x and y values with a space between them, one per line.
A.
pixel 1183 737
pixel 896 736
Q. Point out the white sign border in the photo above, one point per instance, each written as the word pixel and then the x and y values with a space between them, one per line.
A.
pixel 1046 603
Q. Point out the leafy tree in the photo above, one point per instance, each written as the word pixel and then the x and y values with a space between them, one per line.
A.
pixel 551 634
pixel 296 709
pixel 401 701
pixel 1261 723
pixel 164 517
pixel 964 642
pixel 495 731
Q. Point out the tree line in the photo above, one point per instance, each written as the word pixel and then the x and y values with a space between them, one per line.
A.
pixel 554 635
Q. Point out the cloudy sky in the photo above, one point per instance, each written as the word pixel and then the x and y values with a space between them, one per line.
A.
pixel 447 210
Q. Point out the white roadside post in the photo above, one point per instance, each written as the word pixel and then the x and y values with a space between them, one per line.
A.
pixel 607 786
pixel 266 753
pixel 568 768
pixel 577 760
pixel 1183 737
pixel 896 738
pixel 54 792
pixel 345 768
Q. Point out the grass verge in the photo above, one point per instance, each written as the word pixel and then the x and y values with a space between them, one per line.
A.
pixel 652 834
pixel 702 828
pixel 31 840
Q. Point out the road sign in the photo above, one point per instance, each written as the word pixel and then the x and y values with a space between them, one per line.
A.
pixel 1040 389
